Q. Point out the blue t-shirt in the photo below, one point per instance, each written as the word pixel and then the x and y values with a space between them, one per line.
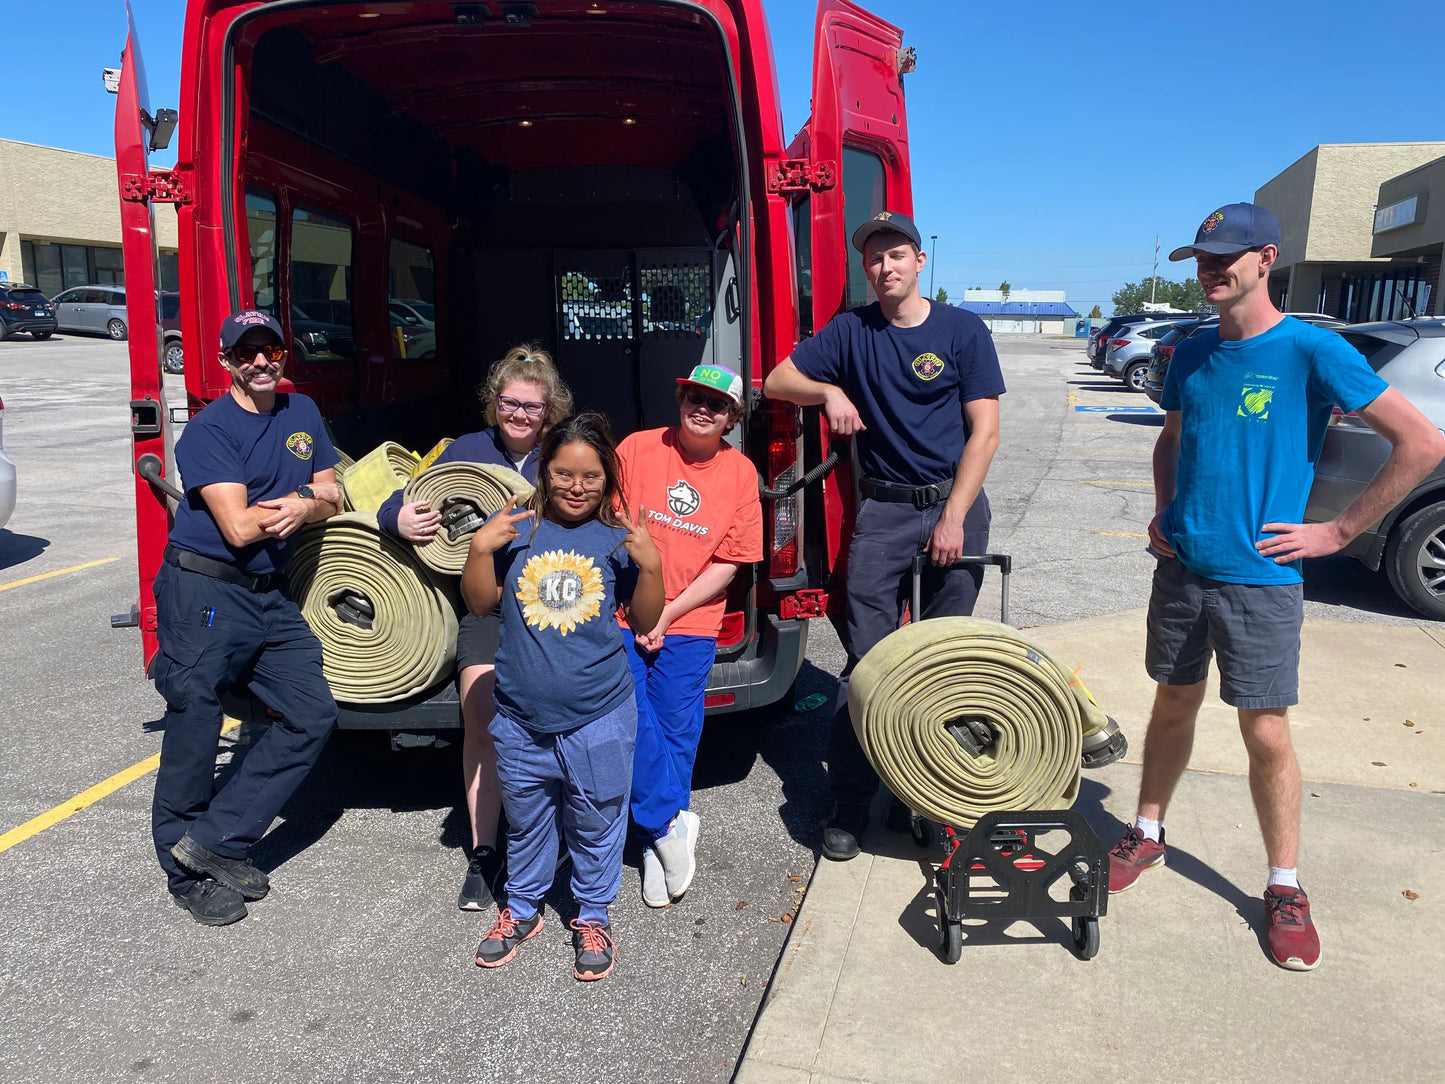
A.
pixel 909 385
pixel 1254 414
pixel 270 454
pixel 560 662
pixel 483 446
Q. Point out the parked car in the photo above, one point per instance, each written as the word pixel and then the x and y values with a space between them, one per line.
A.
pixel 1163 352
pixel 321 332
pixel 413 328
pixel 1409 542
pixel 24 308
pixel 1126 354
pixel 7 475
pixel 409 310
pixel 1317 318
pixel 1098 343
pixel 173 360
pixel 96 309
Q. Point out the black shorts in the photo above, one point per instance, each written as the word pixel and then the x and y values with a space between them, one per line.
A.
pixel 477 640
pixel 1253 630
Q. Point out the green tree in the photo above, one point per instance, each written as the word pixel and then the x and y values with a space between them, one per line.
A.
pixel 1187 296
pixel 942 297
pixel 1095 313
pixel 1004 288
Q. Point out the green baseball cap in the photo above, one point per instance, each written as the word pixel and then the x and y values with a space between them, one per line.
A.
pixel 716 378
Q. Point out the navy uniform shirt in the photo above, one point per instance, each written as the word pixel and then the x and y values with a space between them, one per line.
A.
pixel 909 385
pixel 270 454
pixel 484 446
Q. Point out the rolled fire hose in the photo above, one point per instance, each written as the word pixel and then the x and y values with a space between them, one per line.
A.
pixel 962 716
pixel 465 494
pixel 377 475
pixel 387 626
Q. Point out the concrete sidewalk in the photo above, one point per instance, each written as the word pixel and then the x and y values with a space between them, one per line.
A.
pixel 1181 988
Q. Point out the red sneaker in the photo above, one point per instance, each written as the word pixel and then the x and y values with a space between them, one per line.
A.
pixel 1294 942
pixel 1131 856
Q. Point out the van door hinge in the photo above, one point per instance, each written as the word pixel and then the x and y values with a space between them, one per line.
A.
pixel 799 174
pixel 157 186
pixel 809 602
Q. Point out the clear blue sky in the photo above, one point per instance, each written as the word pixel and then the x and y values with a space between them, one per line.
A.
pixel 1197 105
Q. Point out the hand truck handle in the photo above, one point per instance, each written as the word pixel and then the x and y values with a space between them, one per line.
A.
pixel 1003 560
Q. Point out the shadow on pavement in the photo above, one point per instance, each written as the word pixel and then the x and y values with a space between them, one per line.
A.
pixel 1155 420
pixel 16 549
pixel 1345 582
pixel 1098 384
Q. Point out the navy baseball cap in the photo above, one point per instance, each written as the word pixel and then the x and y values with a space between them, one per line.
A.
pixel 238 323
pixel 886 222
pixel 1233 228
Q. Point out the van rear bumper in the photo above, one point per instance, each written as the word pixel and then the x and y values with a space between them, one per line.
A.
pixel 762 675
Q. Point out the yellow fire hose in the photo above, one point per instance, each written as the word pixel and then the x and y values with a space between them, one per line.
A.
pixel 377 475
pixel 387 626
pixel 465 494
pixel 962 716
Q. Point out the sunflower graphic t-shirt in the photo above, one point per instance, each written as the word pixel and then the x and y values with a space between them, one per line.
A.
pixel 1254 413
pixel 560 663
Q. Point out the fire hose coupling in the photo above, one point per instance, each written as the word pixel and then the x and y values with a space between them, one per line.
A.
pixel 354 608
pixel 461 517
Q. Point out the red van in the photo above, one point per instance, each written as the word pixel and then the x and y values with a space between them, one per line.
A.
pixel 609 178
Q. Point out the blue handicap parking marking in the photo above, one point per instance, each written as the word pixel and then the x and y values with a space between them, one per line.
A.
pixel 1081 409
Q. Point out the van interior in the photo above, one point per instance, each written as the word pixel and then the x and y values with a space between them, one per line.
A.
pixel 426 184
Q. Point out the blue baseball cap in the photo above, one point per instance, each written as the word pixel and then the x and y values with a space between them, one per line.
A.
pixel 1233 228
pixel 238 323
pixel 887 222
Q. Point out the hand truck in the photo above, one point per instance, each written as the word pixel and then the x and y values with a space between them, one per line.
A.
pixel 999 871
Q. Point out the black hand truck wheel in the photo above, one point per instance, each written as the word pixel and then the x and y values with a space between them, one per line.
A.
pixel 1086 937
pixel 950 931
pixel 924 831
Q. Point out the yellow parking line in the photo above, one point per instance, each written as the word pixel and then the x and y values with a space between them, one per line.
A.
pixel 1122 534
pixel 1073 399
pixel 88 797
pixel 1104 482
pixel 57 572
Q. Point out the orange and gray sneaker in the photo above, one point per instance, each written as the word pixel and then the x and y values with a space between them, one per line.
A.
pixel 592 942
pixel 1294 943
pixel 501 942
pixel 1131 856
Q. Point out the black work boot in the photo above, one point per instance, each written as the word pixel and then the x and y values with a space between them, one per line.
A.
pixel 237 873
pixel 212 903
pixel 842 833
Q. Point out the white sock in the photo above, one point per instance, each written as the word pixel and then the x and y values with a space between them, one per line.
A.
pixel 1287 877
pixel 1147 828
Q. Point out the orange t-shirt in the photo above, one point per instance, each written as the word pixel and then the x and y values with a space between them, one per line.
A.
pixel 695 512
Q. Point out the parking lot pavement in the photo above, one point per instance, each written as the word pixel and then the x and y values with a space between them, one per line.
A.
pixel 358 966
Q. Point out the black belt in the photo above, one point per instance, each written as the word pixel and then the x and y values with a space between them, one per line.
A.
pixel 920 497
pixel 219 570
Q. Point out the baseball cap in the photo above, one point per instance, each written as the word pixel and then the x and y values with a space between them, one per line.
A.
pixel 238 323
pixel 1233 228
pixel 886 222
pixel 717 378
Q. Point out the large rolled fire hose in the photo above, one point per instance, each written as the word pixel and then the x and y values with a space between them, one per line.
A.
pixel 961 716
pixel 377 475
pixel 465 494
pixel 387 626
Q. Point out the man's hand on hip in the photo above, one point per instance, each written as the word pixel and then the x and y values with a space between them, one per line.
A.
pixel 1157 540
pixel 1292 541
pixel 945 544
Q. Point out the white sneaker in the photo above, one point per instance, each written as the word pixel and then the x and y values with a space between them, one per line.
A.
pixel 677 850
pixel 654 884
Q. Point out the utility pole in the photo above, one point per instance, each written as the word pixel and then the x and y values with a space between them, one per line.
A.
pixel 932 254
pixel 1154 278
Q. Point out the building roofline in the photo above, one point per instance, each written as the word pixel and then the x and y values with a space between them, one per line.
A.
pixel 59 150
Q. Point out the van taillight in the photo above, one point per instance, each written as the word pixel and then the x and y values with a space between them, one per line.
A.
pixel 782 472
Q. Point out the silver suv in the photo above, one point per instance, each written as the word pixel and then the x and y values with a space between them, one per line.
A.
pixel 1126 355
pixel 97 309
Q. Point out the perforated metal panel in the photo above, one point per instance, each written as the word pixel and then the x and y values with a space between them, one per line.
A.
pixel 676 296
pixel 595 307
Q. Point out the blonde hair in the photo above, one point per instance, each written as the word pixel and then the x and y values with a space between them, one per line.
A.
pixel 528 362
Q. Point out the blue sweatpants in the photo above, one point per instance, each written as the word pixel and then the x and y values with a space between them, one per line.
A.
pixel 671 684
pixel 583 773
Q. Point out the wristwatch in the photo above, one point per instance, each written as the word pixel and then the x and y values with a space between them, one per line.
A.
pixel 307 492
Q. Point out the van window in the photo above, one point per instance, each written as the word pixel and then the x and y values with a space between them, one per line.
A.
pixel 863 197
pixel 803 246
pixel 411 294
pixel 261 227
pixel 321 248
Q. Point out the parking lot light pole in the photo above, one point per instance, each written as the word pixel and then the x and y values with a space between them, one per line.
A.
pixel 932 252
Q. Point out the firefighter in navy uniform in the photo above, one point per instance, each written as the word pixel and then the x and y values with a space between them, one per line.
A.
pixel 917 383
pixel 257 464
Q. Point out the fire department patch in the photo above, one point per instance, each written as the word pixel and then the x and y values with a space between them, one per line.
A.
pixel 927 366
pixel 301 446
pixel 1213 220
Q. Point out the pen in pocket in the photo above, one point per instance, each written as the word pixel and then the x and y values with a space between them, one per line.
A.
pixel 210 615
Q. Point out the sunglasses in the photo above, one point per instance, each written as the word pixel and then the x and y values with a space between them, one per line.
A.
pixel 507 405
pixel 714 403
pixel 246 355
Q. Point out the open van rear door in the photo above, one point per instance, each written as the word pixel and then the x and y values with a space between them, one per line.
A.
pixel 152 450
pixel 851 161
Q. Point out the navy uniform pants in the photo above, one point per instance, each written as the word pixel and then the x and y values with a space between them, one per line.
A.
pixel 260 635
pixel 880 583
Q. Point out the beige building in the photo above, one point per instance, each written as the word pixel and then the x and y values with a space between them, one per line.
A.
pixel 60 220
pixel 1330 261
pixel 1409 226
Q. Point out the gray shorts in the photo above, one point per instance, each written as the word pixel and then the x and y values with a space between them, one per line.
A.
pixel 1252 629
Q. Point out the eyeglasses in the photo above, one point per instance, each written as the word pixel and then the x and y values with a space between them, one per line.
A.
pixel 507 405
pixel 565 479
pixel 244 354
pixel 714 403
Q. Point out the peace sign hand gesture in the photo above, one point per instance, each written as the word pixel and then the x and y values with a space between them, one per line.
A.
pixel 640 546
pixel 500 529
